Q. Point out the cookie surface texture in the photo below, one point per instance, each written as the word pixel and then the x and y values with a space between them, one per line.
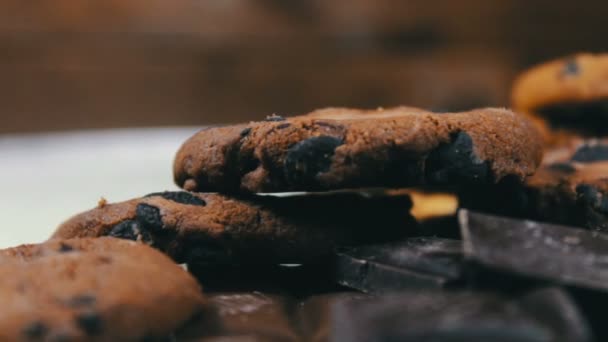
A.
pixel 101 289
pixel 338 148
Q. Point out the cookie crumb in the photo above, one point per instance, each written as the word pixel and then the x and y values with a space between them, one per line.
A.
pixel 102 202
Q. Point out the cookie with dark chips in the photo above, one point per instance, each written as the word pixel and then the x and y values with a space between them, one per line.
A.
pixel 569 94
pixel 570 188
pixel 338 148
pixel 216 229
pixel 102 289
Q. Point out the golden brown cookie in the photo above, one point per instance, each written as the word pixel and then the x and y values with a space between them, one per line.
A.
pixel 338 148
pixel 570 93
pixel 102 289
pixel 216 229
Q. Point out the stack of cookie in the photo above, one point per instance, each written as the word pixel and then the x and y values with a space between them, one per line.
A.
pixel 332 192
pixel 334 160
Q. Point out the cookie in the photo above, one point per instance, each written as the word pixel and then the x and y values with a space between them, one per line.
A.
pixel 570 93
pixel 216 229
pixel 570 188
pixel 338 148
pixel 102 289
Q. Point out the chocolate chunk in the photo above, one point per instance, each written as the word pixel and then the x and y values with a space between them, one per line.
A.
pixel 457 316
pixel 571 68
pixel 560 254
pixel 592 197
pixel 456 162
pixel 90 323
pixel 148 217
pixel 182 197
pixel 274 117
pixel 64 248
pixel 245 132
pixel 283 125
pixel 556 308
pixel 255 315
pixel 130 230
pixel 314 316
pixel 413 263
pixel 591 153
pixel 306 159
pixel 80 301
pixel 562 167
pixel 35 330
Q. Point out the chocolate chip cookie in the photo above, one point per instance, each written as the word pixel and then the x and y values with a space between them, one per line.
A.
pixel 339 148
pixel 570 93
pixel 102 289
pixel 571 188
pixel 216 229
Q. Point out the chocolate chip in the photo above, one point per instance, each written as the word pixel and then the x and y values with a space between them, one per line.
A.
pixel 274 117
pixel 148 217
pixel 456 162
pixel 79 301
pixel 64 248
pixel 129 230
pixel 562 167
pixel 182 197
pixel 591 153
pixel 245 132
pixel 571 68
pixel 590 195
pixel 90 323
pixel 306 159
pixel 35 330
pixel 283 125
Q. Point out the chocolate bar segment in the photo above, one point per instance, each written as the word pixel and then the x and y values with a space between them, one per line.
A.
pixel 551 252
pixel 421 262
pixel 548 315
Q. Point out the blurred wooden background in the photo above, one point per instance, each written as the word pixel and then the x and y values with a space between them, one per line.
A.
pixel 68 64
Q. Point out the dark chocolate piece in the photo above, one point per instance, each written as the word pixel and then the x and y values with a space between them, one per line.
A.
pixel 562 167
pixel 90 323
pixel 556 253
pixel 459 316
pixel 457 161
pixel 182 197
pixel 414 263
pixel 148 217
pixel 306 159
pixel 591 153
pixel 314 315
pixel 131 230
pixel 571 68
pixel 64 248
pixel 245 132
pixel 253 316
pixel 35 330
